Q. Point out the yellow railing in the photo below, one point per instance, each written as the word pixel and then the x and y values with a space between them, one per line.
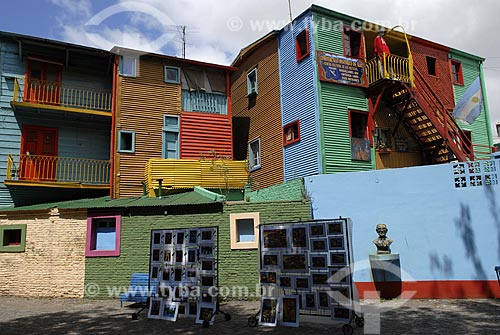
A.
pixel 389 67
pixel 57 169
pixel 50 93
pixel 187 173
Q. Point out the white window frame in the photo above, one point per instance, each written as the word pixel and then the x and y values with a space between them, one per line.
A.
pixel 170 129
pixel 252 86
pixel 133 59
pixel 132 133
pixel 233 230
pixel 254 161
pixel 178 77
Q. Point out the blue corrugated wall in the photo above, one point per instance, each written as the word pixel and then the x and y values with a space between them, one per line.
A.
pixel 299 101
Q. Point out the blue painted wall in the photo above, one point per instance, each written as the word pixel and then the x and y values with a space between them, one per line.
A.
pixel 441 232
pixel 299 101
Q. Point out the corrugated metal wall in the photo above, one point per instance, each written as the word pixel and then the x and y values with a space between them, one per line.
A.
pixel 264 116
pixel 143 101
pixel 479 128
pixel 335 102
pixel 299 101
pixel 205 135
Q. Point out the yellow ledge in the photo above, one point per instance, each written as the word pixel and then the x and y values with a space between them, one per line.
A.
pixel 59 108
pixel 54 184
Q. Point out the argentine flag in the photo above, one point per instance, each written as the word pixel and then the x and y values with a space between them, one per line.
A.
pixel 469 106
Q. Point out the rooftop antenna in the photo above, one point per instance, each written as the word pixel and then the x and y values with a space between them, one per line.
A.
pixel 290 10
pixel 183 32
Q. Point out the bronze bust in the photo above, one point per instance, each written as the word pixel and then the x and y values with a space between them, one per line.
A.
pixel 382 242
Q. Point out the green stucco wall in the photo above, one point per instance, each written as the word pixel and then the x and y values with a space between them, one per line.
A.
pixel 289 191
pixel 236 267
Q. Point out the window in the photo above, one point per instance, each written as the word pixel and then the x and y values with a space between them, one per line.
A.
pixel 254 154
pixel 244 230
pixel 13 238
pixel 170 147
pixel 456 72
pixel 358 122
pixel 383 138
pixel 291 133
pixel 302 45
pixel 352 43
pixel 252 82
pixel 172 74
pixel 126 141
pixel 103 236
pixel 431 65
pixel 128 66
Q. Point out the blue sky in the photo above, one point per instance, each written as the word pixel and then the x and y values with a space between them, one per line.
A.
pixel 218 29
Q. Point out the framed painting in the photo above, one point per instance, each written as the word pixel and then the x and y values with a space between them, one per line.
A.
pixel 317 230
pixel 336 243
pixel 299 237
pixel 270 260
pixel 309 302
pixel 285 282
pixel 170 311
pixel 289 305
pixel 303 283
pixel 319 261
pixel 155 308
pixel 323 300
pixel 319 244
pixel 268 277
pixel 268 311
pixel 338 259
pixel 294 262
pixel 207 235
pixel 206 312
pixel 335 228
pixel 274 238
pixel 193 237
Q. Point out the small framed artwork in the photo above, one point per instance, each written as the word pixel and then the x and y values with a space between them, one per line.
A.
pixel 206 297
pixel 192 309
pixel 170 311
pixel 319 244
pixel 268 277
pixel 289 305
pixel 169 237
pixel 309 301
pixel 317 230
pixel 192 275
pixel 164 290
pixel 193 236
pixel 206 312
pixel 156 255
pixel 294 262
pixel 320 278
pixel 285 282
pixel 157 238
pixel 166 273
pixel 178 275
pixel 338 259
pixel 155 272
pixel 182 310
pixel 323 300
pixel 268 311
pixel 178 290
pixel 192 256
pixel 336 243
pixel 274 238
pixel 270 260
pixel 206 251
pixel 179 256
pixel 335 228
pixel 299 237
pixel 319 261
pixel 338 275
pixel 207 264
pixel 207 281
pixel 180 237
pixel 155 308
pixel 340 313
pixel 167 256
pixel 340 294
pixel 207 235
pixel 302 283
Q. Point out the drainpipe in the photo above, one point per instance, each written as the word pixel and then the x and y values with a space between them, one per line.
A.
pixel 485 105
pixel 113 122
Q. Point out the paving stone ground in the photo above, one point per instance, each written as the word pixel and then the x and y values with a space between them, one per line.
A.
pixel 20 316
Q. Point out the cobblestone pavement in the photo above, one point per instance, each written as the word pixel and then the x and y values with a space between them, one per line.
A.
pixel 21 316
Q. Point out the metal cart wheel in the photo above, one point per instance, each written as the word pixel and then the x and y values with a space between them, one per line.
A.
pixel 359 321
pixel 252 321
pixel 347 329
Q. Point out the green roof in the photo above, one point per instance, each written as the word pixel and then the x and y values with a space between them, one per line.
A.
pixel 198 196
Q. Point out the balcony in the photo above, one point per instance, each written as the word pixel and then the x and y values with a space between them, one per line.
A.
pixel 57 96
pixel 178 174
pixel 54 171
pixel 204 102
pixel 391 67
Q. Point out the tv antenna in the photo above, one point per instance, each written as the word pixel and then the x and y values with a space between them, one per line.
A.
pixel 290 10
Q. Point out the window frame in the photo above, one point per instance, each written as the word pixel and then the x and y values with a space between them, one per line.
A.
pixel 250 90
pixel 170 129
pixel 427 59
pixel 178 69
pixel 361 52
pixel 252 166
pixel 298 52
pixel 16 247
pixel 460 74
pixel 288 126
pixel 354 111
pixel 119 149
pixel 90 237
pixel 134 67
pixel 233 230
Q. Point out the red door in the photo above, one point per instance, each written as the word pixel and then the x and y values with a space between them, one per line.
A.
pixel 43 82
pixel 38 153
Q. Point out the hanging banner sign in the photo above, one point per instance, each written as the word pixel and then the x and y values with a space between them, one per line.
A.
pixel 341 70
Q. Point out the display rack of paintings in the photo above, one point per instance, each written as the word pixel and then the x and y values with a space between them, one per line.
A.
pixel 305 269
pixel 184 269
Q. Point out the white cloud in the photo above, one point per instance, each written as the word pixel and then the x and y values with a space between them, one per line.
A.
pixel 74 7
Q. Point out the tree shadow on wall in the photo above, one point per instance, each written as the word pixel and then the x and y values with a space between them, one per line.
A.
pixel 494 206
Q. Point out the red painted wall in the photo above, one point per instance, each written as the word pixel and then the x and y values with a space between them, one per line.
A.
pixel 204 133
pixel 441 84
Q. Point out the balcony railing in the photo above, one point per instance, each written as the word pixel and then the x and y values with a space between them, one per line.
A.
pixel 204 102
pixel 38 168
pixel 187 173
pixel 390 67
pixel 57 94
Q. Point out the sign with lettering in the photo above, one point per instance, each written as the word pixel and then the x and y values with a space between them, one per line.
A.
pixel 340 69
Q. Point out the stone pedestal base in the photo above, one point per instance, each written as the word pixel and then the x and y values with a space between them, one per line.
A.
pixel 386 274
